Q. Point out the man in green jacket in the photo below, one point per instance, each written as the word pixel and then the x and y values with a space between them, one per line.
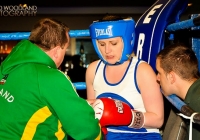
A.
pixel 37 101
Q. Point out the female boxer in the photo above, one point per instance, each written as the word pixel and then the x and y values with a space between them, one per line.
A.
pixel 122 76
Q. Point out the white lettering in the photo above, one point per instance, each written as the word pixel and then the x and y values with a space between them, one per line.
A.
pixel 107 31
pixel 10 99
pixel 153 10
pixel 1 92
pixel 7 95
pixel 140 45
pixel 119 106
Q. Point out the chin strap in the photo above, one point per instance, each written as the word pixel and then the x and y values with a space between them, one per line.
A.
pixel 191 121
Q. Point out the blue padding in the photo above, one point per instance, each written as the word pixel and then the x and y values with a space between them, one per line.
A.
pixel 14 36
pixel 151 26
pixel 177 102
pixel 79 33
pixel 80 85
pixel 196 41
pixel 180 25
pixel 25 35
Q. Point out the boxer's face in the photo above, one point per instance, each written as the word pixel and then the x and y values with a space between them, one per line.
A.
pixel 111 49
pixel 163 79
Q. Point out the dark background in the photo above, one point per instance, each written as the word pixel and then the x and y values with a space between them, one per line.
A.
pixel 86 3
pixel 79 3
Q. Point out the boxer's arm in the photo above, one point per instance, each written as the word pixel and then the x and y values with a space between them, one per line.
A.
pixel 91 101
pixel 90 74
pixel 151 95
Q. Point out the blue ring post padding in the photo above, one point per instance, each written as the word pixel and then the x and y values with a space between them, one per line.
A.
pixel 25 35
pixel 180 25
pixel 80 85
pixel 14 36
pixel 79 33
pixel 85 33
pixel 150 28
pixel 177 102
pixel 196 40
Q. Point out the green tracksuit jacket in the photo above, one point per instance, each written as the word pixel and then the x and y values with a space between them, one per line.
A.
pixel 37 101
pixel 192 99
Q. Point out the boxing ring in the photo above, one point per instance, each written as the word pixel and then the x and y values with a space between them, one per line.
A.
pixel 187 24
pixel 161 17
pixel 191 23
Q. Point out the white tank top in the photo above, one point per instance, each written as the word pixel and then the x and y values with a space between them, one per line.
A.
pixel 125 90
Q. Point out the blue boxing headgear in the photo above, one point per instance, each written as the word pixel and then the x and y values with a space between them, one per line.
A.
pixel 124 28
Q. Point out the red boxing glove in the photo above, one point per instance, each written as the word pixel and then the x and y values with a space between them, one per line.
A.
pixel 112 112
